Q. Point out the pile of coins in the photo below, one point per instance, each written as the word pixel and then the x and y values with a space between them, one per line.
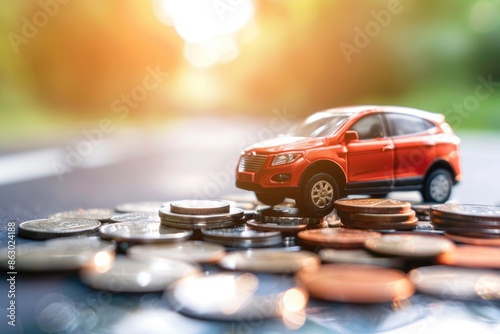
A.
pixel 239 260
pixel 479 224
pixel 376 214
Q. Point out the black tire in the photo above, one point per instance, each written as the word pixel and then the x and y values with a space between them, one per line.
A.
pixel 270 198
pixel 318 194
pixel 437 186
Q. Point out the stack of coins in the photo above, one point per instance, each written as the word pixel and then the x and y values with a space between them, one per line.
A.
pixel 283 219
pixel 467 221
pixel 200 214
pixel 376 214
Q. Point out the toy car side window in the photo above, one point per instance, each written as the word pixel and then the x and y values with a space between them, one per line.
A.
pixel 400 124
pixel 369 127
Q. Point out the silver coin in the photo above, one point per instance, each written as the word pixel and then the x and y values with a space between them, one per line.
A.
pixel 473 212
pixel 199 207
pixel 102 215
pixel 285 216
pixel 359 256
pixel 60 254
pixel 233 214
pixel 148 207
pixel 262 260
pixel 142 232
pixel 457 283
pixel 135 216
pixel 242 236
pixel 237 296
pixel 408 245
pixel 57 227
pixel 259 226
pixel 201 224
pixel 127 275
pixel 191 251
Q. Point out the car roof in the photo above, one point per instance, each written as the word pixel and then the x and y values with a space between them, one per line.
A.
pixel 351 110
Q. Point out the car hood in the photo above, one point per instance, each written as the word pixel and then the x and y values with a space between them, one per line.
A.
pixel 284 144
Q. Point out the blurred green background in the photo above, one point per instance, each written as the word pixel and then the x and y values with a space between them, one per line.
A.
pixel 69 62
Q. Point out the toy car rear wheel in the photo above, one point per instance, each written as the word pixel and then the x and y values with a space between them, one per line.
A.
pixel 437 186
pixel 270 198
pixel 318 194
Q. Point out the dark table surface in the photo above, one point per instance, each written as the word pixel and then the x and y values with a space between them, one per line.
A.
pixel 194 158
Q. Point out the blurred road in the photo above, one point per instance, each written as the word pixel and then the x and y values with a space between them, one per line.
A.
pixel 190 158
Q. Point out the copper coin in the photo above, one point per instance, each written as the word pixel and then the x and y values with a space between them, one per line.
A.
pixel 472 256
pixel 473 240
pixel 409 245
pixel 378 218
pixel 457 283
pixel 353 283
pixel 408 225
pixel 372 205
pixel 199 207
pixel 473 212
pixel 337 237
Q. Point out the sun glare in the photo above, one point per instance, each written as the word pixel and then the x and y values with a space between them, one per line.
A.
pixel 208 27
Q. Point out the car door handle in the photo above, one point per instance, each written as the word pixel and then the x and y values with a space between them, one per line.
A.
pixel 387 148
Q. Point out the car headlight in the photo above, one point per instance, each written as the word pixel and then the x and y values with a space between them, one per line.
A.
pixel 282 159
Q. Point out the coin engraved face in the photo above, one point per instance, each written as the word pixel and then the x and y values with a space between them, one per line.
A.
pixel 99 214
pixel 135 216
pixel 468 210
pixel 410 245
pixel 372 205
pixel 60 225
pixel 199 207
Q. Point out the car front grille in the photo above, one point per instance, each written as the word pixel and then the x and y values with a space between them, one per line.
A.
pixel 251 163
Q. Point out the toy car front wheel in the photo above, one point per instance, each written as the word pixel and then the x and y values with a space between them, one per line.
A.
pixel 318 195
pixel 437 186
pixel 269 198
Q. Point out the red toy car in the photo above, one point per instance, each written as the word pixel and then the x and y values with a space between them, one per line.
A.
pixel 354 150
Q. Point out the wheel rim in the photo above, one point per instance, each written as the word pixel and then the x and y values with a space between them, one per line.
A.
pixel 439 188
pixel 322 194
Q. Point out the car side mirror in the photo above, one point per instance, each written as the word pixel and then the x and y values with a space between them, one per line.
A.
pixel 350 136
